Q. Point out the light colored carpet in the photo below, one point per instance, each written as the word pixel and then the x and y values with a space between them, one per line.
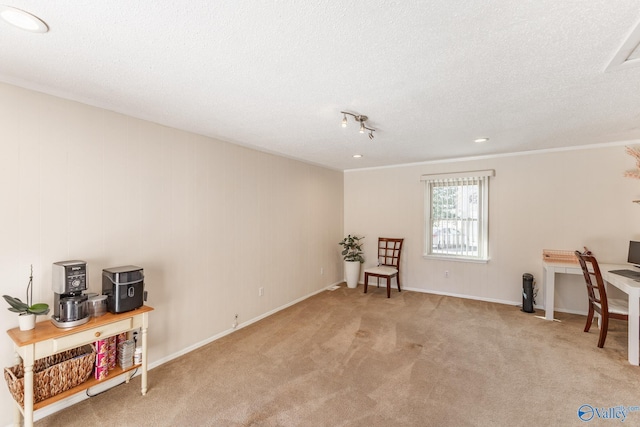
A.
pixel 343 358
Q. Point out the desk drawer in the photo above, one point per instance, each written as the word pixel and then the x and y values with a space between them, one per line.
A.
pixel 84 337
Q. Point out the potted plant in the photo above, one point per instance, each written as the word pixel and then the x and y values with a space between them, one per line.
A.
pixel 352 255
pixel 27 310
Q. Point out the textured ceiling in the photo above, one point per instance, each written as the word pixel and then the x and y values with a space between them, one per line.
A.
pixel 273 75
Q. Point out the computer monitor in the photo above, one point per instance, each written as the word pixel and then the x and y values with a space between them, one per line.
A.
pixel 634 253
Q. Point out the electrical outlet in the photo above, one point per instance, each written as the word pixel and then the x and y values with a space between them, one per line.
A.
pixel 235 322
pixel 260 292
pixel 321 271
pixel 446 274
pixel 136 335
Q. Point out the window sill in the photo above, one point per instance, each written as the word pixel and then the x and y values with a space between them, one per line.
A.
pixel 456 258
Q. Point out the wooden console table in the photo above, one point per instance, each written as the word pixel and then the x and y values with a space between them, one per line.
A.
pixel 46 340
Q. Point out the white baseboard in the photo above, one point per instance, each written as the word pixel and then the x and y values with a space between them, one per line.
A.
pixel 473 297
pixel 498 301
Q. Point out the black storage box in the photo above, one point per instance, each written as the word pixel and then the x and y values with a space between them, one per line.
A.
pixel 124 288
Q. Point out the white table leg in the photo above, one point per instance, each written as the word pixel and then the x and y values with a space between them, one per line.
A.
pixel 27 361
pixel 145 323
pixel 549 278
pixel 17 415
pixel 634 327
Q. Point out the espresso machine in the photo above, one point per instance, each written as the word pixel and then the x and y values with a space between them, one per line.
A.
pixel 69 303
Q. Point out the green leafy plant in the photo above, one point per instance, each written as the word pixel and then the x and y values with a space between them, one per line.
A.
pixel 18 306
pixel 352 248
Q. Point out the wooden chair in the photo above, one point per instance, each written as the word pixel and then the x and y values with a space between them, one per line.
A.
pixel 598 301
pixel 388 263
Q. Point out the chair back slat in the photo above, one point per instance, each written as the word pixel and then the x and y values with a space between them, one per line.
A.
pixel 389 252
pixel 593 279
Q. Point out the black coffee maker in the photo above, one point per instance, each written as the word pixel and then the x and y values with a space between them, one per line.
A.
pixel 69 303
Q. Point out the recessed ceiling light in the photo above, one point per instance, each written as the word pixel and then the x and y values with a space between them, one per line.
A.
pixel 23 20
pixel 357 156
pixel 481 140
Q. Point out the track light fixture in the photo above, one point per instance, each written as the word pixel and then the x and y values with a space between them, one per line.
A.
pixel 360 119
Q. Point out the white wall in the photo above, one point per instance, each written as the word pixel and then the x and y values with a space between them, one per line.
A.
pixel 540 200
pixel 209 222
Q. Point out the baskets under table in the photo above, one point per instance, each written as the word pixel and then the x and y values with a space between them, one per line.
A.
pixel 53 374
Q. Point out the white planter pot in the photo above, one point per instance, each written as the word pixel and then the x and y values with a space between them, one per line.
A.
pixel 352 273
pixel 27 322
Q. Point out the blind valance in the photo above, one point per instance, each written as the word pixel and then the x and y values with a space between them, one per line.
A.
pixel 457 175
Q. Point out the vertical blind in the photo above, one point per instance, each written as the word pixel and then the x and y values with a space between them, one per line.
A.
pixel 455 220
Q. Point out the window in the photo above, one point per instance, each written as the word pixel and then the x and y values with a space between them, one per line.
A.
pixel 456 215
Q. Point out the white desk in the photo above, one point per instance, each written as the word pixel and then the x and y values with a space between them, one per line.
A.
pixel 626 285
pixel 549 282
pixel 632 289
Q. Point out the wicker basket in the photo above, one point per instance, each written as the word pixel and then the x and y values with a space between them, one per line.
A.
pixel 564 257
pixel 54 374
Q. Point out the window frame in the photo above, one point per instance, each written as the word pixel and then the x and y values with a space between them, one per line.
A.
pixel 458 179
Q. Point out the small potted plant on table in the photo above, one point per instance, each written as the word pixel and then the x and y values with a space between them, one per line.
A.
pixel 352 255
pixel 27 310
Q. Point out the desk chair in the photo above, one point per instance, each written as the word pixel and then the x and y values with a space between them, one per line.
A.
pixel 598 301
pixel 388 263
